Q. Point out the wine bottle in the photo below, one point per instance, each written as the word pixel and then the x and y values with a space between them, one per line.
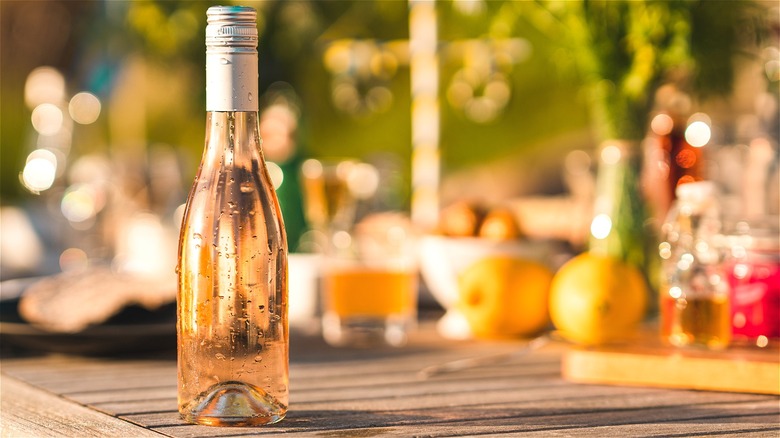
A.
pixel 233 339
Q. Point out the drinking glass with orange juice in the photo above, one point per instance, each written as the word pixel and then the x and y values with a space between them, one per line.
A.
pixel 369 284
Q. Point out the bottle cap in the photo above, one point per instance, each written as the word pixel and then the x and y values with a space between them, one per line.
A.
pixel 231 26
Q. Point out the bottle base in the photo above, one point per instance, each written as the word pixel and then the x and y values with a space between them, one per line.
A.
pixel 365 331
pixel 234 404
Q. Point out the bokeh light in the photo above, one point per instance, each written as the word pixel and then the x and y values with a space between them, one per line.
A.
pixel 47 119
pixel 312 169
pixel 44 85
pixel 84 108
pixel 79 204
pixel 276 173
pixel 337 57
pixel 611 154
pixel 40 171
pixel 698 134
pixel 363 180
pixel 662 124
pixel 665 250
pixel 73 259
pixel 601 226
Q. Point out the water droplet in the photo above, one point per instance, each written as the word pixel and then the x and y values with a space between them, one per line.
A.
pixel 258 358
pixel 224 61
pixel 261 307
pixel 246 187
pixel 250 97
pixel 220 356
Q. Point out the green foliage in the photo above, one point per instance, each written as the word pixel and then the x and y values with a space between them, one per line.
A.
pixel 621 50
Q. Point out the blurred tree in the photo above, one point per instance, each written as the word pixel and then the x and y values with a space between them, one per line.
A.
pixel 93 41
pixel 32 34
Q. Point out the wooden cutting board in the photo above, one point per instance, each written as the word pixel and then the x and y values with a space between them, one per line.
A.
pixel 752 370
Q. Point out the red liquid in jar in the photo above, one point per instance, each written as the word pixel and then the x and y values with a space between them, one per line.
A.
pixel 755 295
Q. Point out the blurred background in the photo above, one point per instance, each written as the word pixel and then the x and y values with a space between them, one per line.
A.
pixel 103 102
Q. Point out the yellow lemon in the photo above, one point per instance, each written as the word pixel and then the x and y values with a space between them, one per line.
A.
pixel 499 224
pixel 596 299
pixel 503 296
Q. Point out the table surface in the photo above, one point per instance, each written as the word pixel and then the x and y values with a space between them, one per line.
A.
pixel 374 392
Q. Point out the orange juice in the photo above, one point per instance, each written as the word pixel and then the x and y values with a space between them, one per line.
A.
pixel 370 292
pixel 703 321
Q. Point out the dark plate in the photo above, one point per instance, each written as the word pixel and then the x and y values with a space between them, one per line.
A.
pixel 134 329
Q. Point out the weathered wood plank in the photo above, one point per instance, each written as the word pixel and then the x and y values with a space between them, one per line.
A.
pixel 28 411
pixel 629 422
pixel 135 394
pixel 378 393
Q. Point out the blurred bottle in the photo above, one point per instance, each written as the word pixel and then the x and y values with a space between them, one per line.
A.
pixel 673 159
pixel 754 276
pixel 232 326
pixel 694 295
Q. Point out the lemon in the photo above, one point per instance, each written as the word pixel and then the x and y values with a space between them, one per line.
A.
pixel 502 296
pixel 499 224
pixel 596 299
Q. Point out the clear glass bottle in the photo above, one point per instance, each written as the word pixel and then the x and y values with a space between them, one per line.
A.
pixel 695 307
pixel 232 270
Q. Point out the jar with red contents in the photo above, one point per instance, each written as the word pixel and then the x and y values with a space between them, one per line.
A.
pixel 754 276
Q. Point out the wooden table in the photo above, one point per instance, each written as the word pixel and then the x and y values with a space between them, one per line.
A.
pixel 362 393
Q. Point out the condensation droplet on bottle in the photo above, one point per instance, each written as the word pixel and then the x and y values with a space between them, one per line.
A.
pixel 261 307
pixel 224 61
pixel 220 356
pixel 250 97
pixel 197 240
pixel 246 187
pixel 258 358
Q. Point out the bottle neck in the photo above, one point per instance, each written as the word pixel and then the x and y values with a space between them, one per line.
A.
pixel 231 80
